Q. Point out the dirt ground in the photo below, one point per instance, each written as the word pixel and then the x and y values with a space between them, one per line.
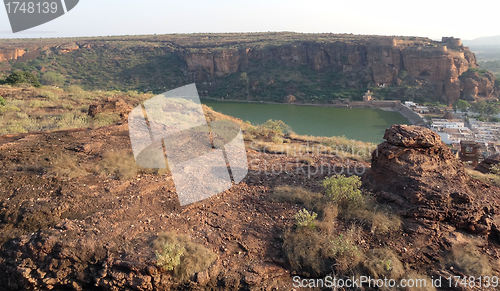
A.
pixel 95 232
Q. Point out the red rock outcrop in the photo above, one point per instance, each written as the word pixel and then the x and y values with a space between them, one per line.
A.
pixel 378 60
pixel 67 47
pixel 415 173
pixel 485 166
pixel 110 105
pixel 11 54
pixel 477 84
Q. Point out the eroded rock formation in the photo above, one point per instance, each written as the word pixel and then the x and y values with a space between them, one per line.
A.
pixel 11 54
pixel 110 105
pixel 415 173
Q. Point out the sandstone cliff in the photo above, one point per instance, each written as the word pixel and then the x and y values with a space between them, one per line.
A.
pixel 11 54
pixel 376 61
pixel 326 66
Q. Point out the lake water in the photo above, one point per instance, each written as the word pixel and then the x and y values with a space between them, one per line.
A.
pixel 360 124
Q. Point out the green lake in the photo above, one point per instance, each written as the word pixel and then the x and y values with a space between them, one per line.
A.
pixel 360 124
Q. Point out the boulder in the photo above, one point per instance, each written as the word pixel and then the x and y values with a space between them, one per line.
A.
pixel 412 136
pixel 110 105
pixel 417 175
pixel 485 166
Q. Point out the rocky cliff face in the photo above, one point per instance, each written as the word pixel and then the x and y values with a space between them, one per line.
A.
pixel 11 54
pixel 377 61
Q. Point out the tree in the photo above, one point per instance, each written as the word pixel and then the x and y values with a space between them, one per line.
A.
pixel 491 109
pixel 52 78
pixel 18 78
pixel 2 101
pixel 461 105
pixel 479 107
pixel 246 82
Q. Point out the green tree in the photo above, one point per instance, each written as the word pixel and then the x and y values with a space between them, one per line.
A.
pixel 246 82
pixel 491 109
pixel 461 105
pixel 18 78
pixel 2 101
pixel 52 78
pixel 479 107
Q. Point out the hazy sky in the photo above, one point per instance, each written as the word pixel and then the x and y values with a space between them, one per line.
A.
pixel 436 18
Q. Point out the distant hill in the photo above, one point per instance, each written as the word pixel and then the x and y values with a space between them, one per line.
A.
pixel 483 41
pixel 314 68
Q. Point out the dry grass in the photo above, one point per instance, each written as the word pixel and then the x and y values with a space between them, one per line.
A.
pixel 63 166
pixel 295 195
pixel 306 250
pixel 104 119
pixel 381 263
pixel 486 178
pixel 121 164
pixel 194 258
pixel 339 146
pixel 318 250
pixel 49 95
pixel 379 221
pixel 468 260
pixel 344 250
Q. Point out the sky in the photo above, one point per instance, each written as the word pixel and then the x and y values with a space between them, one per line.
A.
pixel 434 19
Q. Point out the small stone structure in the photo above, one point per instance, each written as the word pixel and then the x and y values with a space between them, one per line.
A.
pixel 469 152
pixel 368 96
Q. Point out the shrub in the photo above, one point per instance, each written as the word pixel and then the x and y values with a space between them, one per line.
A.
pixel 17 78
pixel 305 219
pixel 344 251
pixel 495 169
pixel 63 166
pixel 9 108
pixel 193 259
pixel 306 251
pixel 277 140
pixel 49 95
pixel 70 120
pixel 122 165
pixel 382 263
pixel 68 106
pixel 277 126
pixel 2 101
pixel 78 94
pixel 271 128
pixel 39 104
pixel 248 137
pixel 52 78
pixel 170 256
pixel 104 119
pixel 295 195
pixel 344 190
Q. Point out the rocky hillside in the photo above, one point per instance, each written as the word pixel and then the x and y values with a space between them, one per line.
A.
pixel 269 66
pixel 78 214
